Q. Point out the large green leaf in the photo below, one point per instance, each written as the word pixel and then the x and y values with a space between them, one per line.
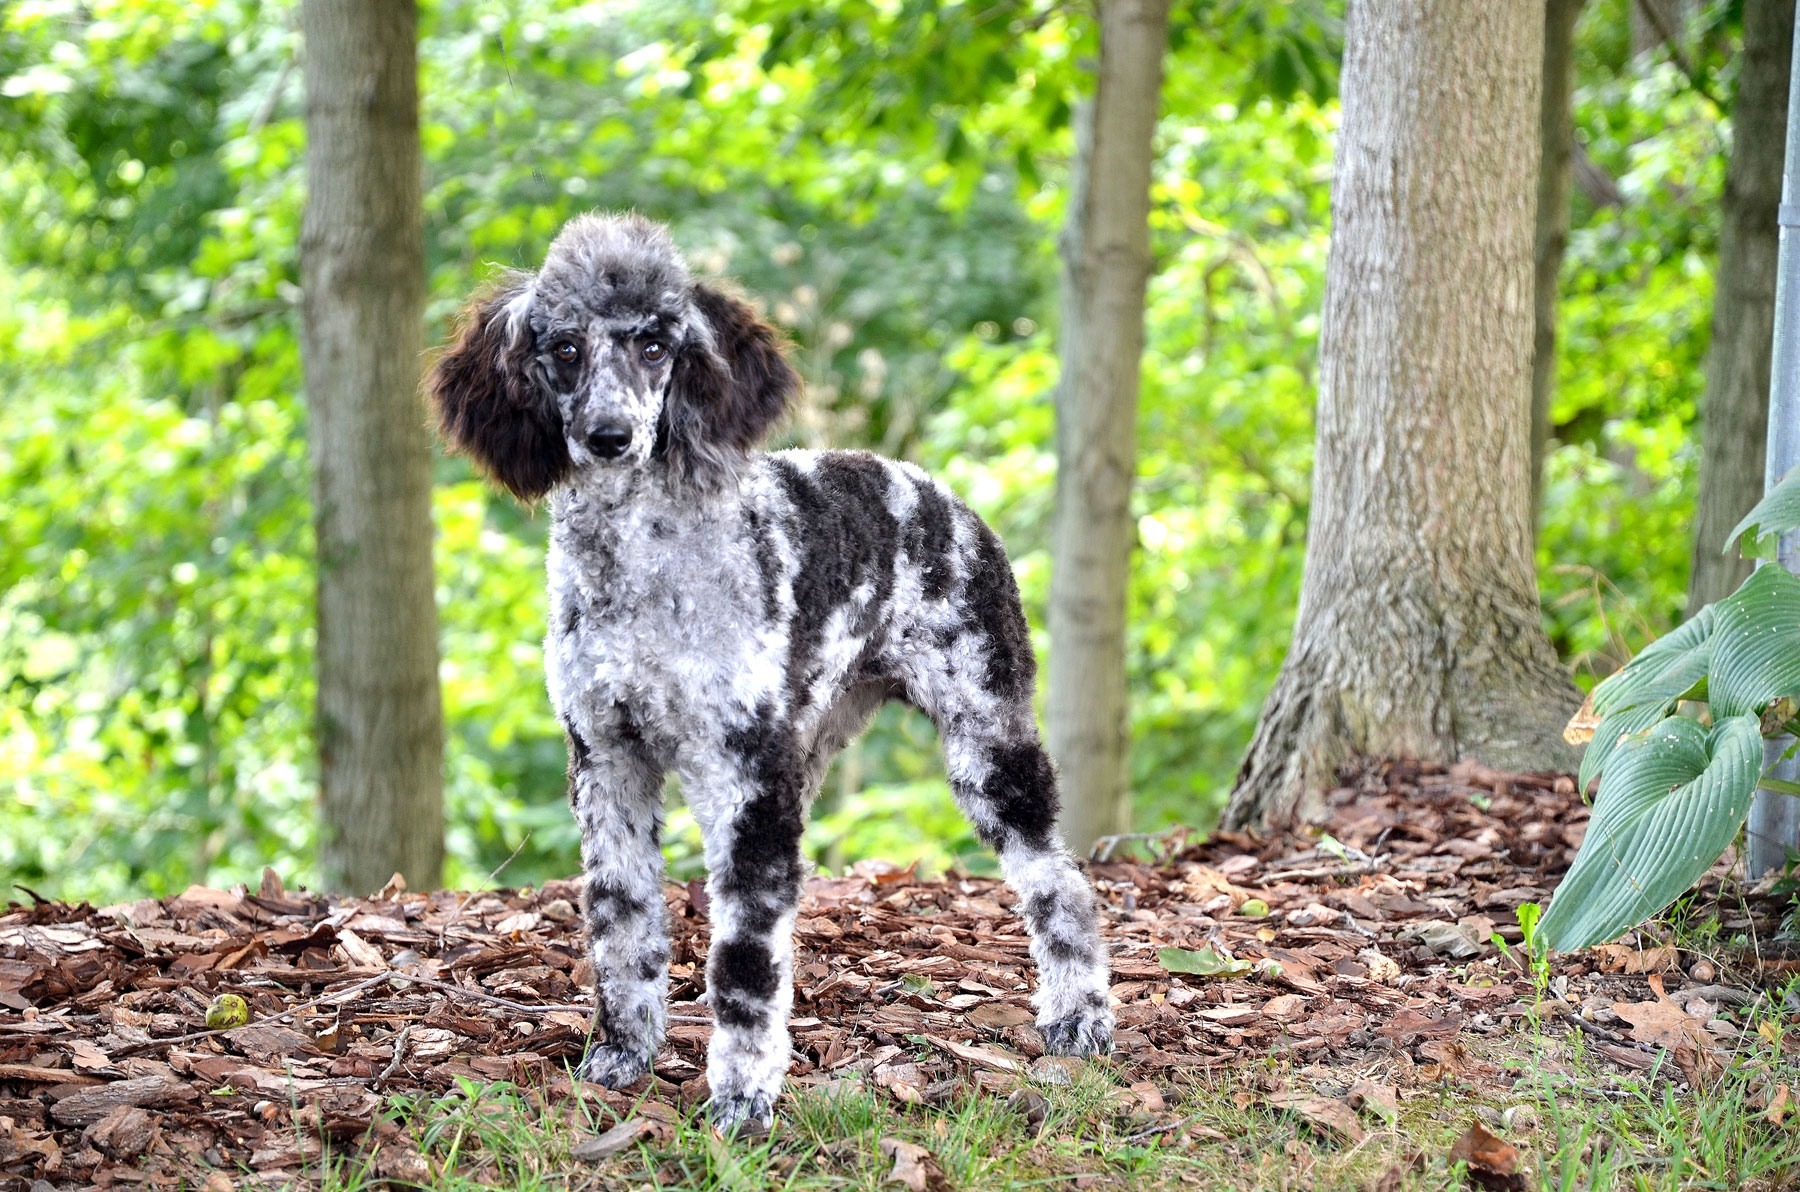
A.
pixel 1669 804
pixel 1774 515
pixel 1756 644
pixel 1667 669
pixel 1612 731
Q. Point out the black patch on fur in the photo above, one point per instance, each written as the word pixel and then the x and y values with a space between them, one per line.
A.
pixel 720 403
pixel 490 408
pixel 930 539
pixel 991 595
pixel 579 753
pixel 763 873
pixel 768 563
pixel 649 968
pixel 631 730
pixel 845 538
pixel 604 900
pixel 1021 791
pixel 742 981
pixel 1061 947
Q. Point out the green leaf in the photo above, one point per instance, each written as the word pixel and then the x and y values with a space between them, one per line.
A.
pixel 1664 671
pixel 1612 731
pixel 1668 806
pixel 1774 515
pixel 1756 644
pixel 1205 963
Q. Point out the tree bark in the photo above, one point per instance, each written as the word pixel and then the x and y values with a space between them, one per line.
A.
pixel 1556 135
pixel 362 265
pixel 1106 267
pixel 1735 410
pixel 1419 632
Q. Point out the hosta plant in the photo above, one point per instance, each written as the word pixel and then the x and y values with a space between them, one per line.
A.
pixel 1678 744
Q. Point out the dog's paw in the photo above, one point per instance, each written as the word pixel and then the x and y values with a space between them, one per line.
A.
pixel 614 1067
pixel 1085 1032
pixel 744 1114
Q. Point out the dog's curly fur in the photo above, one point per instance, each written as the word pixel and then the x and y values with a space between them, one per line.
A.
pixel 737 616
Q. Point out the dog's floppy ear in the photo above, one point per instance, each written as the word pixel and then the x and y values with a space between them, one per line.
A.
pixel 724 396
pixel 487 404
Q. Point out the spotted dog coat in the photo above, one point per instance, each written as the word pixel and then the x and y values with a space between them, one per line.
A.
pixel 737 617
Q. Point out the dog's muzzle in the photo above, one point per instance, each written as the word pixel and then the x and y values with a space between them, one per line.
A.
pixel 609 440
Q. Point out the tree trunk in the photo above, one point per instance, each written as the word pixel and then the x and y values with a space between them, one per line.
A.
pixel 1419 633
pixel 1735 410
pixel 1106 266
pixel 362 265
pixel 1556 133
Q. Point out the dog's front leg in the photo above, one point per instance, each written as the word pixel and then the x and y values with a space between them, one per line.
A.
pixel 617 795
pixel 755 873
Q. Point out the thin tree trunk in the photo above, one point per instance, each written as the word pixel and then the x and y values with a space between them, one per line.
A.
pixel 1735 410
pixel 362 257
pixel 1106 266
pixel 1556 134
pixel 1419 633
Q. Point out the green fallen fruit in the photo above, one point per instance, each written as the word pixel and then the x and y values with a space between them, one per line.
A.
pixel 227 1010
pixel 1254 908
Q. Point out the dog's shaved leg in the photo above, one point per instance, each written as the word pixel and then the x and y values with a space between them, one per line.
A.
pixel 618 803
pixel 753 855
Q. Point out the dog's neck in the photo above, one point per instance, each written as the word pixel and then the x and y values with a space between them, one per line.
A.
pixel 616 503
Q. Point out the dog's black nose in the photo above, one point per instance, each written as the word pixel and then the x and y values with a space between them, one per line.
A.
pixel 609 440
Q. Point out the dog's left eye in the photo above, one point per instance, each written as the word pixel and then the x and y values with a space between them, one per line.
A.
pixel 566 352
pixel 655 353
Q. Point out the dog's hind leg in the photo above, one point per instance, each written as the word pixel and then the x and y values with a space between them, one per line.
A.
pixel 617 795
pixel 978 687
pixel 1008 791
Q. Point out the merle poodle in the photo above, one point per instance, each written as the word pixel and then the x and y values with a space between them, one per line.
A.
pixel 737 616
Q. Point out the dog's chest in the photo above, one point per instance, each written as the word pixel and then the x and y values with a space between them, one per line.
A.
pixel 654 602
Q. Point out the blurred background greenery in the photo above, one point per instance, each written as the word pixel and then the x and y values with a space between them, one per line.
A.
pixel 889 179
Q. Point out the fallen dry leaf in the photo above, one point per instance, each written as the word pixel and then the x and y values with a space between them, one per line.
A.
pixel 1662 1023
pixel 1328 1115
pixel 1379 1100
pixel 1618 958
pixel 1492 1162
pixel 611 1142
pixel 914 1166
pixel 1780 1105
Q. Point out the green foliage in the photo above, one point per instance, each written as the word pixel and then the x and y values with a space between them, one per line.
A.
pixel 889 180
pixel 1674 792
pixel 1774 515
pixel 1670 802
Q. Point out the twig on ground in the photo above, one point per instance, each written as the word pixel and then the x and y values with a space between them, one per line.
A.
pixel 400 1042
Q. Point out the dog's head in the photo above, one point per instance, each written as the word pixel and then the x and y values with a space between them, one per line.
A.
pixel 610 356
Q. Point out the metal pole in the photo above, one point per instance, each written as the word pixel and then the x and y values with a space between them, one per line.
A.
pixel 1774 823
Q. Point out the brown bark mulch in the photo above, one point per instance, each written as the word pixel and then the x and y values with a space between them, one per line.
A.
pixel 1368 950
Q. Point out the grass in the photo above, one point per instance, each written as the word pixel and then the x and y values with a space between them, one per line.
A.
pixel 1577 1121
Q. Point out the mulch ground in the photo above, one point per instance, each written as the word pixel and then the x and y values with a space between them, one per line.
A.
pixel 1368 951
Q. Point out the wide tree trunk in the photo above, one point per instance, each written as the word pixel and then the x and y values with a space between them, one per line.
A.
pixel 1106 266
pixel 1735 411
pixel 1419 632
pixel 1556 135
pixel 362 265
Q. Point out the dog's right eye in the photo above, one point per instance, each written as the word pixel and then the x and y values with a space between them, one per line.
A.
pixel 566 352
